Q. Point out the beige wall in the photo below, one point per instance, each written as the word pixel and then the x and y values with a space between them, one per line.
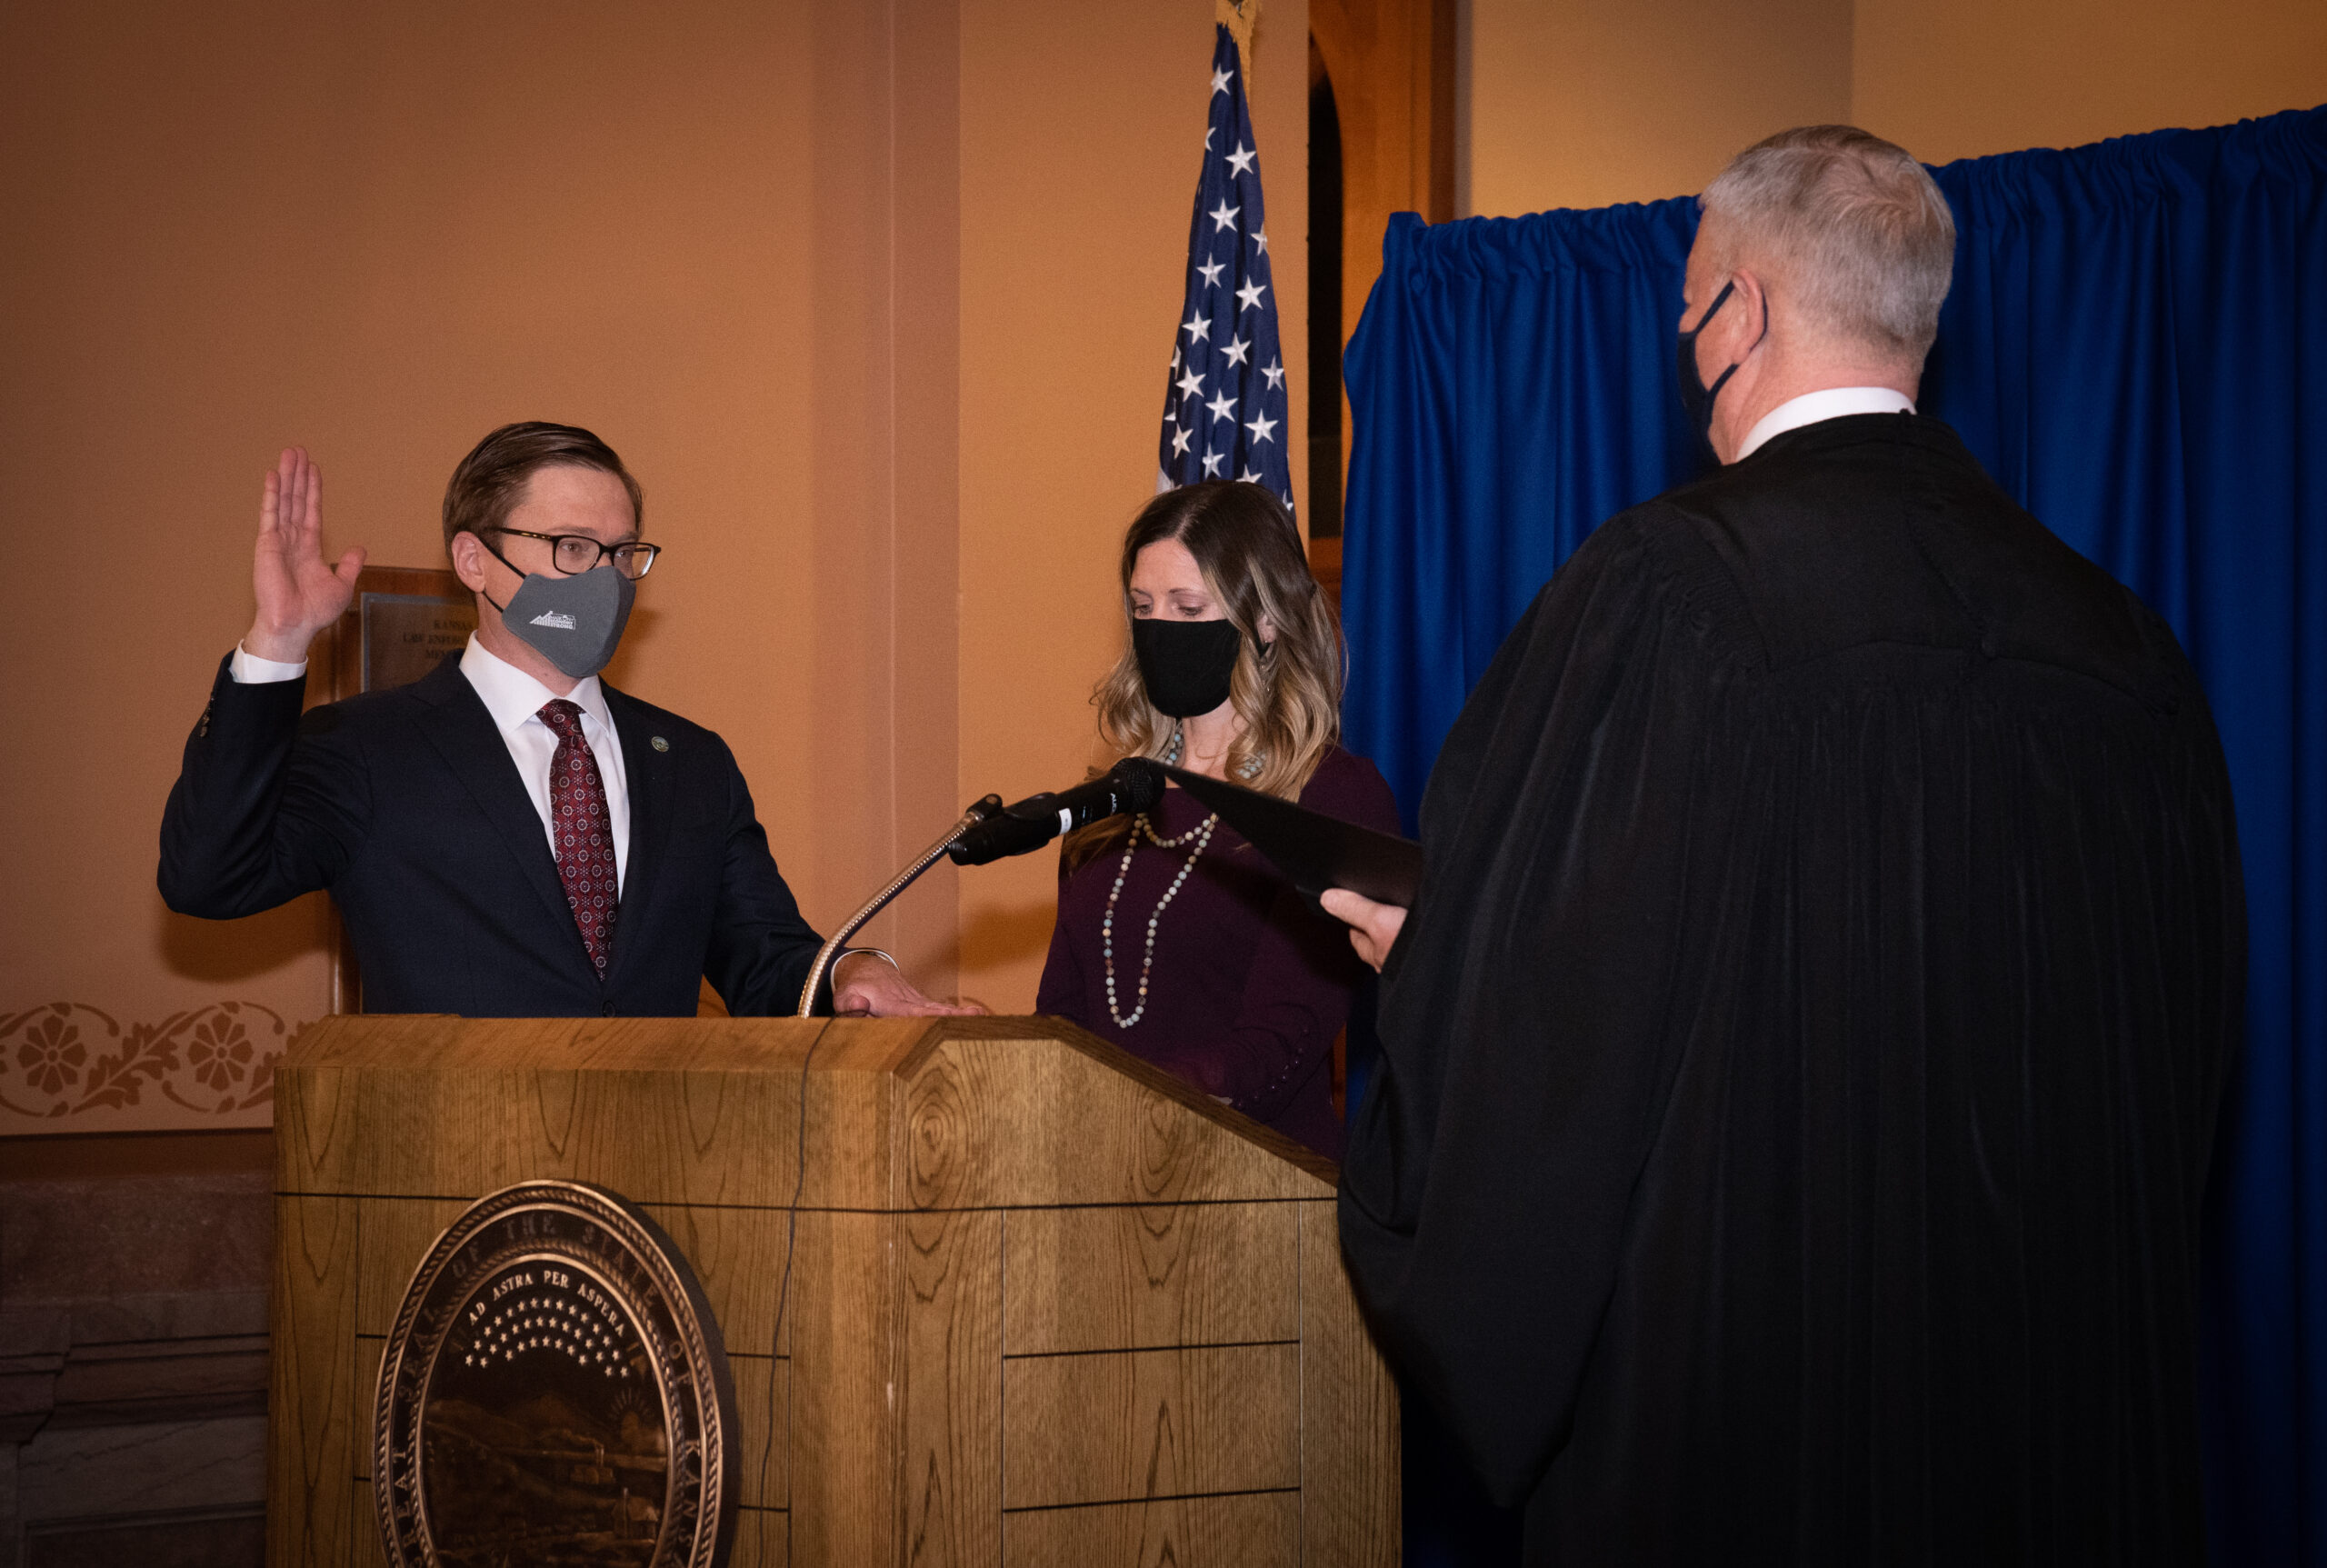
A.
pixel 1582 103
pixel 875 299
pixel 1977 76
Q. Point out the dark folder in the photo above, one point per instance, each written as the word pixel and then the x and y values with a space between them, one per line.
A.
pixel 1315 850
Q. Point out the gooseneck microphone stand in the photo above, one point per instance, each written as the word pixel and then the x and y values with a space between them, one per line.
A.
pixel 989 807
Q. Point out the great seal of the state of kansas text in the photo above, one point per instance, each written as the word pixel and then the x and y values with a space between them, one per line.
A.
pixel 555 1395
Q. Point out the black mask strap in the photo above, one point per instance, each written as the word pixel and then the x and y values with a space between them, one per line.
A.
pixel 1719 300
pixel 506 562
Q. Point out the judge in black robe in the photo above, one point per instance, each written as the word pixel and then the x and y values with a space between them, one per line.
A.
pixel 1801 1063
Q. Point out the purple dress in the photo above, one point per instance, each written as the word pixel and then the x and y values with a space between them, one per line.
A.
pixel 1251 982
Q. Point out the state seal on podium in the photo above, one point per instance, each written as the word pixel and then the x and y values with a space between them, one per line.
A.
pixel 555 1395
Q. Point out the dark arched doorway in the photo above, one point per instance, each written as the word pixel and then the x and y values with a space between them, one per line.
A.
pixel 1381 116
pixel 1325 450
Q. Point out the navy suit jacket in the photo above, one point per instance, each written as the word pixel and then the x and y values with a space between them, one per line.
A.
pixel 406 804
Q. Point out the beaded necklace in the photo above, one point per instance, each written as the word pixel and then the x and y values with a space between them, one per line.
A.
pixel 1200 835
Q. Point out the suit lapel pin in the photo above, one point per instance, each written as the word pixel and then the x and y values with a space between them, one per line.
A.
pixel 659 744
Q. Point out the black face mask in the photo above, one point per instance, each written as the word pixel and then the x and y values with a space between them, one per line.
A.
pixel 1696 399
pixel 1186 666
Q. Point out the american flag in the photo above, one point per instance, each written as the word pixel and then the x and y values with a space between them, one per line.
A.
pixel 1224 414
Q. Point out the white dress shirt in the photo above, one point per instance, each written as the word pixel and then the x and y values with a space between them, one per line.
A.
pixel 1811 408
pixel 515 699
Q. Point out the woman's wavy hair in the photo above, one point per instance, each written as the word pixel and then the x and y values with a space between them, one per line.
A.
pixel 1288 693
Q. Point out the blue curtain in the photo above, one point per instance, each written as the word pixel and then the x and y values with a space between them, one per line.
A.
pixel 2136 347
pixel 1512 385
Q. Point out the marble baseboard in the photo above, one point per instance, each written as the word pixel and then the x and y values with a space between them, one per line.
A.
pixel 233 1540
pixel 80 1493
pixel 91 1472
pixel 133 1358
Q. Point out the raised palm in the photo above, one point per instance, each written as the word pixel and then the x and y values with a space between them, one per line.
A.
pixel 298 595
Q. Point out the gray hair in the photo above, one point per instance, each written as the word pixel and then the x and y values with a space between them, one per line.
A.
pixel 1856 227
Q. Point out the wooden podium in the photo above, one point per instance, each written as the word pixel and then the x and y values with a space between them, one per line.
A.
pixel 1046 1304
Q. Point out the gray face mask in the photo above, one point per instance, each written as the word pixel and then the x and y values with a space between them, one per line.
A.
pixel 575 622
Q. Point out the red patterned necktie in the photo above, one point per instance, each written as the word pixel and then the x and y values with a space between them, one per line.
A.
pixel 583 832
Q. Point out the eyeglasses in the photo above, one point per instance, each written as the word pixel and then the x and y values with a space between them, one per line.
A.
pixel 577 553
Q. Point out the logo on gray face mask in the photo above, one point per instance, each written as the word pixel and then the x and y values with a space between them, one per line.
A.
pixel 575 622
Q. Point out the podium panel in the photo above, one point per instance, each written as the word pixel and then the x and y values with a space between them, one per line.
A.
pixel 991 1291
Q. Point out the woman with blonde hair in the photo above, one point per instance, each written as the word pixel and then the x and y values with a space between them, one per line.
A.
pixel 1176 939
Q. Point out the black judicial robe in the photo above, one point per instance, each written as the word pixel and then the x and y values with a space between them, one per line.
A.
pixel 1802 1062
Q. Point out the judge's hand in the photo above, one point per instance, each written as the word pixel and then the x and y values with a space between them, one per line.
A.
pixel 867 983
pixel 1372 927
pixel 298 595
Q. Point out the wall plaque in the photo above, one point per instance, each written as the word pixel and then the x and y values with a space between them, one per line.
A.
pixel 555 1395
pixel 401 623
pixel 406 635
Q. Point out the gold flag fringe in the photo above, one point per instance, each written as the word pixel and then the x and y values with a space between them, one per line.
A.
pixel 1240 17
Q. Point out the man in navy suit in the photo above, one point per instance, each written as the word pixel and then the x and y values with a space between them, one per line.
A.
pixel 507 836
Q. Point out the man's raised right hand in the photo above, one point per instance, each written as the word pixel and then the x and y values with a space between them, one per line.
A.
pixel 297 594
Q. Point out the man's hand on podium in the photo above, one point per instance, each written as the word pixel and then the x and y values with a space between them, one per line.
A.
pixel 1372 927
pixel 867 983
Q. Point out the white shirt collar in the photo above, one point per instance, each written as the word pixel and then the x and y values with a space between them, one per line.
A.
pixel 512 697
pixel 1811 408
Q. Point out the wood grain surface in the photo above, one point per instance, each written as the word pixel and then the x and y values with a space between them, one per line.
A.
pixel 1077 1128
pixel 846 1440
pixel 393 1235
pixel 737 1255
pixel 370 1351
pixel 1027 1300
pixel 764 1423
pixel 311 1398
pixel 1109 1427
pixel 367 1550
pixel 1254 1531
pixel 950 1397
pixel 761 1541
pixel 1349 1415
pixel 1152 1275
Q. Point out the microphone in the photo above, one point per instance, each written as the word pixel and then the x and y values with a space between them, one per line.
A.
pixel 1133 785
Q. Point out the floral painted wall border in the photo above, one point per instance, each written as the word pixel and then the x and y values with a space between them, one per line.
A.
pixel 66 1066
